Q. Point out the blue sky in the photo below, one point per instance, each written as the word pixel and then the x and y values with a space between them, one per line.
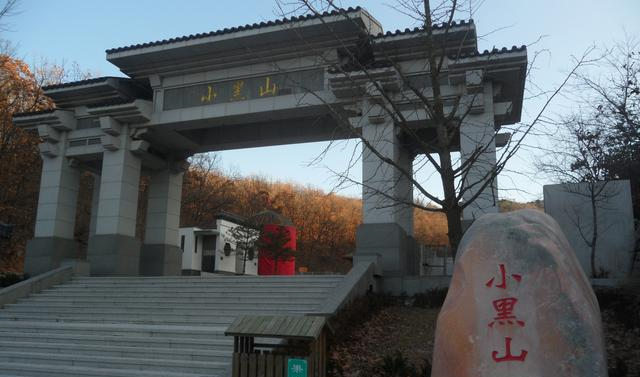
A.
pixel 81 30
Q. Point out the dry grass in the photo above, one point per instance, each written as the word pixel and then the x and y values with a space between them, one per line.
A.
pixel 411 331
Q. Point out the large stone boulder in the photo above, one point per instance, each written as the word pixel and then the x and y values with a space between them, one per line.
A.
pixel 519 304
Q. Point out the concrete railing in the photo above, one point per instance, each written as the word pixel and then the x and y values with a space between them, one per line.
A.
pixel 356 283
pixel 36 284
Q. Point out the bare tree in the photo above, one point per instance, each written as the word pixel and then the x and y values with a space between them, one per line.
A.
pixel 53 73
pixel 578 160
pixel 600 139
pixel 245 237
pixel 610 98
pixel 206 192
pixel 7 9
pixel 388 90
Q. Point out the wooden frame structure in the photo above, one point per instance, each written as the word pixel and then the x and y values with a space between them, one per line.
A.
pixel 299 337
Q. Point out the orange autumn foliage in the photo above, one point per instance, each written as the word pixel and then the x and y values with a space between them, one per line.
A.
pixel 19 157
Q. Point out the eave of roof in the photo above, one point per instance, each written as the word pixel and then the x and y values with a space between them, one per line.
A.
pixel 92 81
pixel 250 44
pixel 420 30
pixel 232 30
pixel 492 52
pixel 113 102
pixel 97 91
pixel 32 113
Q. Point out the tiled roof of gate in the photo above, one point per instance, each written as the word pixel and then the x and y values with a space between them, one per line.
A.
pixel 495 51
pixel 254 26
pixel 387 63
pixel 82 82
pixel 418 30
pixel 281 21
pixel 30 113
pixel 113 102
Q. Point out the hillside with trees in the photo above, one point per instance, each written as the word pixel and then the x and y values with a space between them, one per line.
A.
pixel 326 223
pixel 19 157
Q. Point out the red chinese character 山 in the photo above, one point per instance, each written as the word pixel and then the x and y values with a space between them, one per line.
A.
pixel 508 355
pixel 505 316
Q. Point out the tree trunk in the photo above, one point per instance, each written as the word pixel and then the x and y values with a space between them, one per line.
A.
pixel 594 236
pixel 455 229
pixel 451 208
pixel 244 262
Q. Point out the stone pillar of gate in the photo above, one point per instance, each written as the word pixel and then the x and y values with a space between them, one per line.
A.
pixel 477 142
pixel 385 234
pixel 161 254
pixel 55 221
pixel 113 249
pixel 95 201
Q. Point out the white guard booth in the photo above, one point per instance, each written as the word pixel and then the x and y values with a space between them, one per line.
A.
pixel 213 250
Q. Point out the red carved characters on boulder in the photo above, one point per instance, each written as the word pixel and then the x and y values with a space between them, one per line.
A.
pixel 504 309
pixel 505 316
pixel 519 304
pixel 503 283
pixel 508 356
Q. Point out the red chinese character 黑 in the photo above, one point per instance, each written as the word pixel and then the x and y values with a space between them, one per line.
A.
pixel 504 312
pixel 508 356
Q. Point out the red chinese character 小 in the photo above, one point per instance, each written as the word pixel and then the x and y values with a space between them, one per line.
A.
pixel 503 276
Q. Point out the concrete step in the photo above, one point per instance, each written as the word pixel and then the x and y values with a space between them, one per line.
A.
pixel 37 370
pixel 225 278
pixel 150 318
pixel 161 307
pixel 196 284
pixel 144 327
pixel 117 340
pixel 219 321
pixel 159 320
pixel 134 352
pixel 202 281
pixel 202 367
pixel 120 329
pixel 197 289
pixel 195 295
pixel 256 301
pixel 229 310
pixel 187 290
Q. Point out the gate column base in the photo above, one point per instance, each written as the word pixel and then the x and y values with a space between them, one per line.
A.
pixel 391 244
pixel 114 255
pixel 160 260
pixel 47 253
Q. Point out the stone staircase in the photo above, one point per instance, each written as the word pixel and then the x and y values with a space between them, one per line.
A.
pixel 137 326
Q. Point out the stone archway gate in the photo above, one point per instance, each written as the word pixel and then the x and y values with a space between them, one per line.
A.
pixel 257 85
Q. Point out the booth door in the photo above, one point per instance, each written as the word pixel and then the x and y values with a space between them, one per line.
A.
pixel 208 253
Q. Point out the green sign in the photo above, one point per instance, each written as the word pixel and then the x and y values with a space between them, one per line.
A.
pixel 297 368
